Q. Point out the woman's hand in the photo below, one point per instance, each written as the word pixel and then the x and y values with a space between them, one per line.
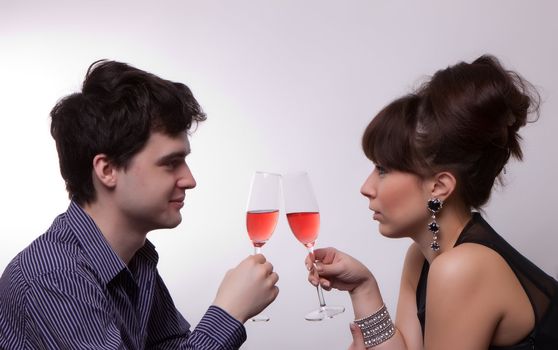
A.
pixel 335 269
pixel 358 338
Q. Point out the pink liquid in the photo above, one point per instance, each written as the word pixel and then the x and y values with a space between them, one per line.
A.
pixel 305 226
pixel 260 225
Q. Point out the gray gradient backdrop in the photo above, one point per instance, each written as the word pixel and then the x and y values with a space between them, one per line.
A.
pixel 287 85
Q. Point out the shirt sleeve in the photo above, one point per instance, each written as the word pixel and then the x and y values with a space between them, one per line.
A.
pixel 64 309
pixel 217 330
pixel 168 329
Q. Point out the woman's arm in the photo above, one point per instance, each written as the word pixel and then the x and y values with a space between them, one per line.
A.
pixel 406 319
pixel 471 293
pixel 341 271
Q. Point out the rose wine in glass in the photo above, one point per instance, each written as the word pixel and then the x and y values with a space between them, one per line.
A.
pixel 304 220
pixel 260 225
pixel 262 213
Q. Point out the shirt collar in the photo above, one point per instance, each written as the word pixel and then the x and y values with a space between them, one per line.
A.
pixel 101 256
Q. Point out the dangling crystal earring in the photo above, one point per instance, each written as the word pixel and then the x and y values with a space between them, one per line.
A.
pixel 434 205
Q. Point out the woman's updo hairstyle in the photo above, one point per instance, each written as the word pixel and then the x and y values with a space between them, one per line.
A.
pixel 465 120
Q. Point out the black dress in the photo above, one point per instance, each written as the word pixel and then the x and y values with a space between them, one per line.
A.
pixel 540 287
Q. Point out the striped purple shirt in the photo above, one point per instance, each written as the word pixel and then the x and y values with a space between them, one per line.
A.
pixel 69 290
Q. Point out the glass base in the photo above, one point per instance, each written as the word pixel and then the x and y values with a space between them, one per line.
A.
pixel 324 312
pixel 260 318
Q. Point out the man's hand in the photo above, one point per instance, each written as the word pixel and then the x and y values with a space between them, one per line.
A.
pixel 248 288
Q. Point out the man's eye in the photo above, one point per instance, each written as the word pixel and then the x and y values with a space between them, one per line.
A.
pixel 173 164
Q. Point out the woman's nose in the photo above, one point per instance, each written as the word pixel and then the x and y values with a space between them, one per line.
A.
pixel 367 189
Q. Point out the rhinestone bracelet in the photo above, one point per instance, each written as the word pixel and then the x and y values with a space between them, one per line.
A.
pixel 376 328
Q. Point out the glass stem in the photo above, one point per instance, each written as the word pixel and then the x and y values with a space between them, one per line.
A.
pixel 318 287
pixel 321 296
pixel 257 250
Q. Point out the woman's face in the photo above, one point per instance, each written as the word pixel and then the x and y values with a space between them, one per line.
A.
pixel 398 201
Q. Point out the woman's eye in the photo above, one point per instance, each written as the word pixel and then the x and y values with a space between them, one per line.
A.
pixel 381 170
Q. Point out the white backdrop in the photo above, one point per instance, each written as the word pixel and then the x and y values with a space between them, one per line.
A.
pixel 287 85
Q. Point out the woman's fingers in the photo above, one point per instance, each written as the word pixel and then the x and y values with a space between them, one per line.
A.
pixel 358 339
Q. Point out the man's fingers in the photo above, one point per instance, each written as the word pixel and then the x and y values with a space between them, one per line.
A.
pixel 259 258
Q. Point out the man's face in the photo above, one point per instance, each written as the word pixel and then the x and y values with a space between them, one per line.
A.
pixel 150 192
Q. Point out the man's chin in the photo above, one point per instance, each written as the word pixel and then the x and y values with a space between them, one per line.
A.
pixel 176 222
pixel 172 222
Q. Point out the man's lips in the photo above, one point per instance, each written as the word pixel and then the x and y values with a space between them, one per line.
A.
pixel 177 202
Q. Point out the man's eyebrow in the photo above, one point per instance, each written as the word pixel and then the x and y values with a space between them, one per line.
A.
pixel 173 156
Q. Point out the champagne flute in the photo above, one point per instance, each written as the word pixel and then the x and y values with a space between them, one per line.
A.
pixel 304 220
pixel 262 213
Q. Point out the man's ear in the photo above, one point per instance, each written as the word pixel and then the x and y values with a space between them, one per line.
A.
pixel 444 184
pixel 104 170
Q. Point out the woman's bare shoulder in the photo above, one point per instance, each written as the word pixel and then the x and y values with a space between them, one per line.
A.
pixel 467 269
pixel 472 290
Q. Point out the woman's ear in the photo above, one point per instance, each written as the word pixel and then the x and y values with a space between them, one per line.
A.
pixel 444 184
pixel 104 170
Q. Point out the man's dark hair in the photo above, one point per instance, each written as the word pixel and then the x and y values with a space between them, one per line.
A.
pixel 114 114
